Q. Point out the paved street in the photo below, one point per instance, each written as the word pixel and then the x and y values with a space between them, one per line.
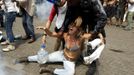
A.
pixel 117 58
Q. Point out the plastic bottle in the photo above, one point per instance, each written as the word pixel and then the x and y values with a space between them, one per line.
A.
pixel 42 55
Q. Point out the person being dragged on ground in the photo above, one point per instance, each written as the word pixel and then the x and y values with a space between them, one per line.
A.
pixel 74 40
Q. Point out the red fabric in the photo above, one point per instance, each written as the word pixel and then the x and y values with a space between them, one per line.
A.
pixel 52 13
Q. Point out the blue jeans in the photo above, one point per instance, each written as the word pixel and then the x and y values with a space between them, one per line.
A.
pixel 1 17
pixel 28 24
pixel 9 19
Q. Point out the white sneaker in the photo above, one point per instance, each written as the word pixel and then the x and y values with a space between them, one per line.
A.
pixel 9 48
pixel 5 43
pixel 1 32
pixel 18 37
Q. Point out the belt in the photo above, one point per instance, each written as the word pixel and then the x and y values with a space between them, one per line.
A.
pixel 68 58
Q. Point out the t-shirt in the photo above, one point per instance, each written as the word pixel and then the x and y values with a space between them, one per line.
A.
pixel 131 7
pixel 10 6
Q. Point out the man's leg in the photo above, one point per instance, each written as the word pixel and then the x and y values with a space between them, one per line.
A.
pixel 30 28
pixel 92 68
pixel 95 44
pixel 57 44
pixel 95 55
pixel 10 18
pixel 9 23
pixel 30 25
pixel 24 22
pixel 130 21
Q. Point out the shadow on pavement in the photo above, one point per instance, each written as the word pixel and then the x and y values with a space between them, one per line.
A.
pixel 117 50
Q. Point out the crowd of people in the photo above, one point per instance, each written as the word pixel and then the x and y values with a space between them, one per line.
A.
pixel 11 8
pixel 79 24
pixel 122 10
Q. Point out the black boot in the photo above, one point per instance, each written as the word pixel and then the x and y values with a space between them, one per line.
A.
pixel 22 60
pixel 46 70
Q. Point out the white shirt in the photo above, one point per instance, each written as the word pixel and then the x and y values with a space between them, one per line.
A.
pixel 130 7
pixel 61 15
pixel 10 6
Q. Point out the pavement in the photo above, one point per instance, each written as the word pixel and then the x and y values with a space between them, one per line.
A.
pixel 116 59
